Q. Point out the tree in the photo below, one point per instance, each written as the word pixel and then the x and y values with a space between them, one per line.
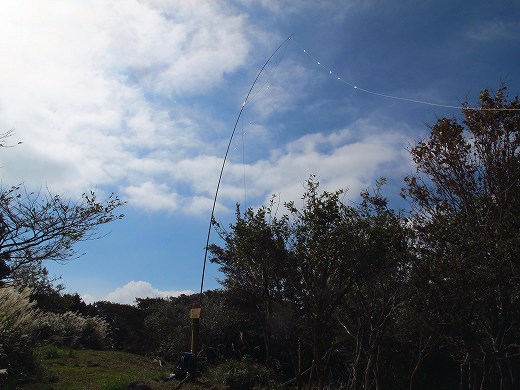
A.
pixel 35 227
pixel 40 226
pixel 294 269
pixel 323 247
pixel 350 270
pixel 466 211
pixel 370 311
pixel 254 262
pixel 304 270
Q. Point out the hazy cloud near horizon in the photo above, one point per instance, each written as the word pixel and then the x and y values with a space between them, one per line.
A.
pixel 132 290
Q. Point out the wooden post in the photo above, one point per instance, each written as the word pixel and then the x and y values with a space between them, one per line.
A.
pixel 195 318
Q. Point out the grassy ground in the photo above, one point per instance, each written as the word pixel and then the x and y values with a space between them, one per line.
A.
pixel 63 369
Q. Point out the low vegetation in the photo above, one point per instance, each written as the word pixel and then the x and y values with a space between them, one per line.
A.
pixel 70 369
pixel 19 320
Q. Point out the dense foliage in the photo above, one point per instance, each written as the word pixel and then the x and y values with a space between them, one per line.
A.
pixel 367 298
pixel 466 218
pixel 330 299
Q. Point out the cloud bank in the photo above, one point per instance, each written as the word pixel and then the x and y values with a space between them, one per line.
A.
pixel 132 290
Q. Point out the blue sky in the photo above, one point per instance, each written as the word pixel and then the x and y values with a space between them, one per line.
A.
pixel 140 98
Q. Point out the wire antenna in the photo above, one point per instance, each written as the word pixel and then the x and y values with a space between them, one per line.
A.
pixel 389 96
pixel 225 158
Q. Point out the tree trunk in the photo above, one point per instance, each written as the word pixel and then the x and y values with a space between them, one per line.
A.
pixel 352 382
pixel 295 358
pixel 376 368
pixel 368 370
pixel 506 377
pixel 420 359
pixel 414 373
pixel 484 372
pixel 471 375
pixel 268 315
pixel 314 354
pixel 463 368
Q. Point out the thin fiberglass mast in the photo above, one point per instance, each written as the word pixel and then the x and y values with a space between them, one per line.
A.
pixel 225 158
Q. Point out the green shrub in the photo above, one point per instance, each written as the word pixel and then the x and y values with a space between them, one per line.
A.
pixel 242 375
pixel 52 352
pixel 18 321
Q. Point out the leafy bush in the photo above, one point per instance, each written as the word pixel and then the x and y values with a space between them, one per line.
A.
pixel 167 327
pixel 126 326
pixel 18 321
pixel 242 375
pixel 51 352
pixel 74 330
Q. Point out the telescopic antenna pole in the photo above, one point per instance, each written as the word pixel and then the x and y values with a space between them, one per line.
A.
pixel 195 313
pixel 188 360
pixel 225 158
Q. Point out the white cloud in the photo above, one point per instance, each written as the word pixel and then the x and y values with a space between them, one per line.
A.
pixel 88 299
pixel 78 83
pixel 199 52
pixel 279 88
pixel 351 158
pixel 139 289
pixel 152 196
